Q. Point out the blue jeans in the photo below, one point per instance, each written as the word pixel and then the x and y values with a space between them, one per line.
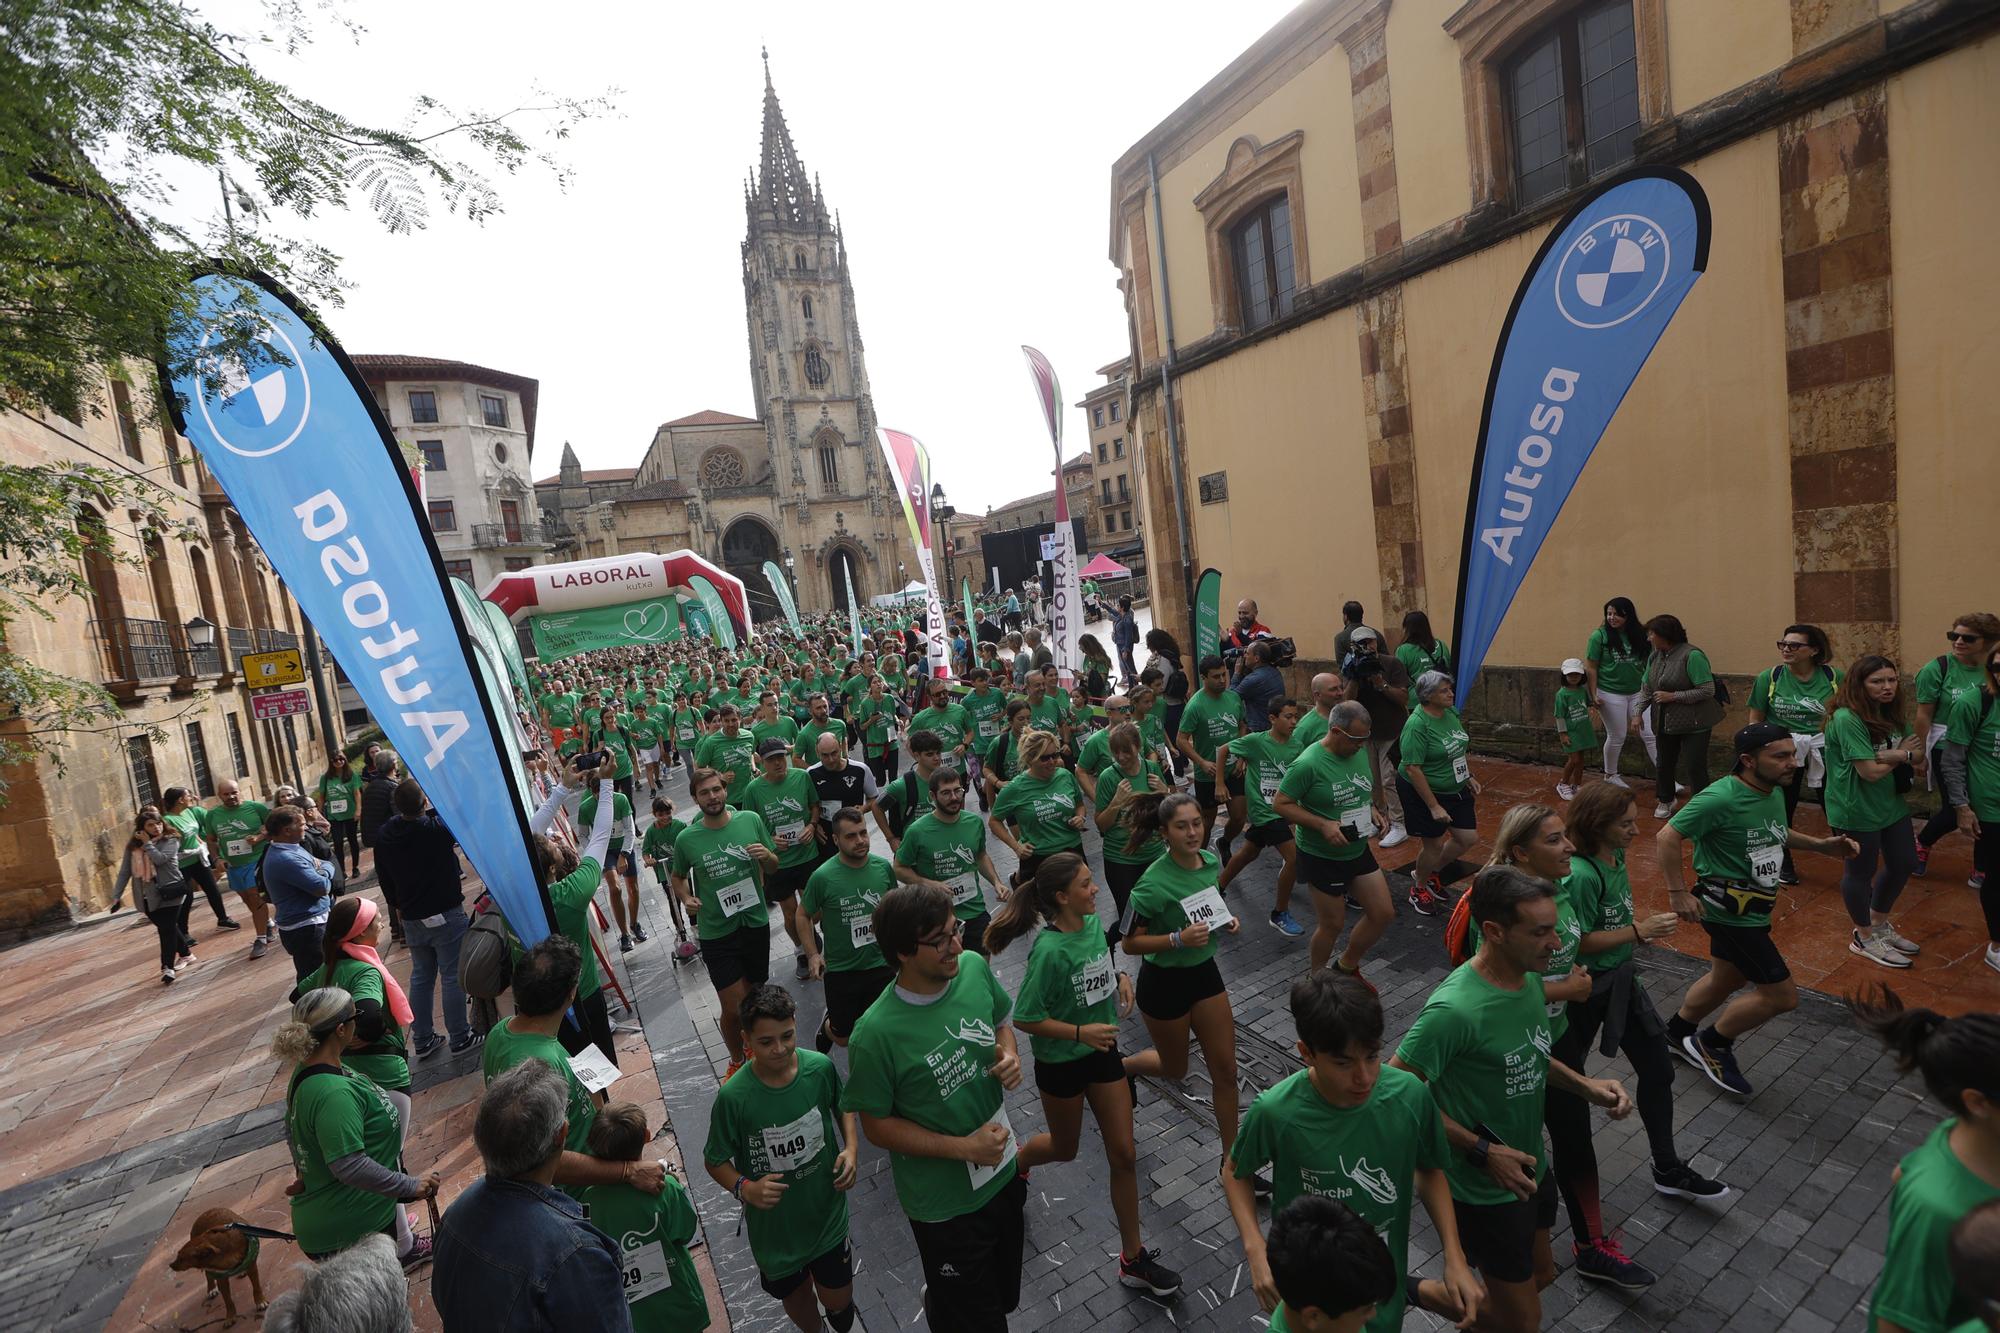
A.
pixel 434 950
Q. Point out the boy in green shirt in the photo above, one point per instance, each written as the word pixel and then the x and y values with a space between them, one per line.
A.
pixel 1331 1273
pixel 1213 717
pixel 657 846
pixel 718 873
pixel 1579 722
pixel 947 849
pixel 784 798
pixel 662 1289
pixel 1262 757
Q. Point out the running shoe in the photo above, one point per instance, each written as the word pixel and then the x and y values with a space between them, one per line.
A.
pixel 1424 897
pixel 259 947
pixel 1717 1061
pixel 228 923
pixel 686 949
pixel 799 968
pixel 1617 780
pixel 1350 902
pixel 1680 789
pixel 1604 1260
pixel 1684 1182
pixel 460 1045
pixel 1395 837
pixel 624 944
pixel 730 1073
pixel 1976 880
pixel 1356 974
pixel 1876 950
pixel 1993 956
pixel 184 962
pixel 420 1252
pixel 1144 1271
pixel 1222 849
pixel 1285 924
pixel 429 1046
pixel 1260 1185
pixel 1898 941
pixel 1788 874
pixel 639 935
pixel 1565 791
pixel 1923 861
pixel 1663 810
pixel 823 1040
pixel 167 975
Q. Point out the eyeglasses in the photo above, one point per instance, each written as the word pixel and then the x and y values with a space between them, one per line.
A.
pixel 954 934
pixel 1956 637
pixel 1350 735
pixel 1786 645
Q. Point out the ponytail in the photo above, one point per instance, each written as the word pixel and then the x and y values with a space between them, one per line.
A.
pixel 1955 1055
pixel 1154 820
pixel 1034 902
pixel 313 1019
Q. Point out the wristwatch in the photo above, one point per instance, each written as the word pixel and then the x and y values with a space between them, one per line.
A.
pixel 1478 1151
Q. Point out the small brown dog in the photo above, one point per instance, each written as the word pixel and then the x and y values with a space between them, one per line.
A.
pixel 223 1254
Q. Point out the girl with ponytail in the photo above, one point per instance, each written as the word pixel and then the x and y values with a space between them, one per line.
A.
pixel 343 1192
pixel 1128 786
pixel 1070 1001
pixel 1951 1173
pixel 382 1011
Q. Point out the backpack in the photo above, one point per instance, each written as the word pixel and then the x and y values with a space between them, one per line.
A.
pixel 899 811
pixel 1458 930
pixel 486 955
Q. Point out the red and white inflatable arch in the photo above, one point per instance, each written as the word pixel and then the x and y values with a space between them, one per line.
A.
pixel 581 584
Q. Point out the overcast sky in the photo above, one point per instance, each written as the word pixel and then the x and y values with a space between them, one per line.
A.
pixel 969 158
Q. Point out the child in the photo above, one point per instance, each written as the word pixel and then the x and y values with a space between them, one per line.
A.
pixel 1581 726
pixel 624 884
pixel 662 1290
pixel 658 849
pixel 1333 1272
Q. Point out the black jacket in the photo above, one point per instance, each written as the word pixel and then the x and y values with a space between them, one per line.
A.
pixel 417 859
pixel 375 807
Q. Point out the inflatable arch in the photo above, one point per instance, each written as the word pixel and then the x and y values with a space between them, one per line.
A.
pixel 619 598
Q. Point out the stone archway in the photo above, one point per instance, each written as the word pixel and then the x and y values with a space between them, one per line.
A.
pixel 841 558
pixel 746 544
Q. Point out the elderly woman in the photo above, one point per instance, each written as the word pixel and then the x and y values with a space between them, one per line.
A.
pixel 345 1136
pixel 1436 785
pixel 1681 687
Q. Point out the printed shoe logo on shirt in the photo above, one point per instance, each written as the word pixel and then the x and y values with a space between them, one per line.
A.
pixel 975 1030
pixel 1373 1180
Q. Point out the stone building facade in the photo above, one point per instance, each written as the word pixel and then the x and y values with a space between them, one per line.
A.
pixel 804 480
pixel 1112 453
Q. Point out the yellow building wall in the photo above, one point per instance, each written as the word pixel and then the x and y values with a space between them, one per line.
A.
pixel 1284 419
pixel 1944 191
pixel 1317 101
pixel 1716 45
pixel 1427 92
pixel 1686 505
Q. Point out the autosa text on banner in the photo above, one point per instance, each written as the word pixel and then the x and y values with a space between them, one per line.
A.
pixel 911 463
pixel 1066 596
pixel 1594 302
pixel 295 440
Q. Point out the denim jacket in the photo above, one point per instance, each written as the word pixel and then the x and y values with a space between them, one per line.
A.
pixel 517 1257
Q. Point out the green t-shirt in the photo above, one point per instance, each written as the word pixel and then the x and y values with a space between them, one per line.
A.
pixel 619 742
pixel 1620 670
pixel 662 1289
pixel 948 853
pixel 1485 1053
pixel 1049 714
pixel 1118 842
pixel 952 725
pixel 1095 752
pixel 506 1048
pixel 1264 758
pixel 1071 978
pixel 726 879
pixel 1210 720
pixel 782 727
pixel 876 720
pixel 329 1116
pixel 1440 747
pixel 1573 717
pixel 1799 706
pixel 930 1064
pixel 192 824
pixel 1982 758
pixel 1854 804
pixel 1417 660
pixel 1002 759
pixel 843 897
pixel 786 807
pixel 571 896
pixel 621 819
pixel 790 1132
pixel 988 712
pixel 340 800
pixel 1041 809
pixel 809 734
pixel 1916 1291
pixel 1332 788
pixel 687 728
pixel 736 755
pixel 657 843
pixel 561 709
pixel 1157 903
pixel 1365 1156
pixel 1739 835
pixel 644 731
pixel 385 1060
pixel 1949 685
pixel 233 829
pixel 909 795
pixel 1602 897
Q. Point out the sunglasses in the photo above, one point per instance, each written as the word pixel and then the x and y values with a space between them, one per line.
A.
pixel 1956 637
pixel 1786 645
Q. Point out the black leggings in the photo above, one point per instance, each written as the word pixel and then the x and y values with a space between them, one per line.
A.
pixel 1573 1155
pixel 171 923
pixel 883 766
pixel 348 831
pixel 205 877
pixel 1687 750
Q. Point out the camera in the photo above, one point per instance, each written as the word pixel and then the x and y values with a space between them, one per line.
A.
pixel 1360 666
pixel 594 760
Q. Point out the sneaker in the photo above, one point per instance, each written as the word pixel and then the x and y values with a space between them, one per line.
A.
pixel 1684 1182
pixel 1286 925
pixel 624 944
pixel 1680 789
pixel 1351 903
pixel 461 1044
pixel 228 923
pixel 1898 941
pixel 184 962
pixel 1260 1185
pixel 259 947
pixel 167 975
pixel 1395 837
pixel 1565 791
pixel 1144 1272
pixel 1717 1062
pixel 429 1046
pixel 1424 897
pixel 1788 875
pixel 1342 970
pixel 420 1252
pixel 1617 780
pixel 1923 866
pixel 799 969
pixel 823 1040
pixel 639 935
pixel 1993 956
pixel 1976 880
pixel 1663 810
pixel 686 949
pixel 1222 849
pixel 1876 950
pixel 1604 1260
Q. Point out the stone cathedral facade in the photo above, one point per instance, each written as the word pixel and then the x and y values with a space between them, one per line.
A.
pixel 805 476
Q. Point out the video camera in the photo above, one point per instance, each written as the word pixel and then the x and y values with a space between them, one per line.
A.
pixel 1360 666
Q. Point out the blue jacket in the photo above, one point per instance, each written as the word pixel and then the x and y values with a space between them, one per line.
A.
pixel 516 1257
pixel 300 885
pixel 1260 689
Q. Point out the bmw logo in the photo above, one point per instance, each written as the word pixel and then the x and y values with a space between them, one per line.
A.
pixel 1612 271
pixel 255 411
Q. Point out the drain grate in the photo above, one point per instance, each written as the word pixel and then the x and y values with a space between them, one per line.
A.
pixel 1260 1063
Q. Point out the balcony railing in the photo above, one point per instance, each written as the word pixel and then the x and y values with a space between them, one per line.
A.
pixel 273 640
pixel 495 536
pixel 141 651
pixel 205 660
pixel 240 645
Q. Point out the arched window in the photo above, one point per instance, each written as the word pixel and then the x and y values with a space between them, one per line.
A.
pixel 799 260
pixel 721 468
pixel 806 303
pixel 816 371
pixel 107 607
pixel 829 468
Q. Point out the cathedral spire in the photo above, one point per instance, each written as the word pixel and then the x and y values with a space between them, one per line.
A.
pixel 783 188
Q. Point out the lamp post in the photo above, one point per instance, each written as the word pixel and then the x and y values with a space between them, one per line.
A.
pixel 941 513
pixel 200 635
pixel 902 583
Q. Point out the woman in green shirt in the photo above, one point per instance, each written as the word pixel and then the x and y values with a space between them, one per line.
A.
pixel 345 1136
pixel 1001 759
pixel 1040 812
pixel 1951 1173
pixel 1126 788
pixel 339 793
pixel 350 962
pixel 1436 786
pixel 1797 694
pixel 1069 1005
pixel 1421 649
pixel 610 735
pixel 1866 742
pixel 1615 660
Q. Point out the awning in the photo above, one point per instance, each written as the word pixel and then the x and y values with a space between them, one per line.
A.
pixel 1104 567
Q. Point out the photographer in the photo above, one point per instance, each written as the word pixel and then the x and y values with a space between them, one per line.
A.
pixel 1381 684
pixel 1246 631
pixel 1259 683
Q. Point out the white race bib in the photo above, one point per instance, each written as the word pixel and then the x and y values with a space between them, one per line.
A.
pixel 964 888
pixel 238 847
pixel 592 1069
pixel 645 1272
pixel 1267 786
pixel 990 727
pixel 1461 771
pixel 1099 980
pixel 1363 821
pixel 738 897
pixel 1765 863
pixel 790 1147
pixel 790 833
pixel 336 809
pixel 981 1174
pixel 1206 908
pixel 862 931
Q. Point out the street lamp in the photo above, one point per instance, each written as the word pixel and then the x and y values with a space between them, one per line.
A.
pixel 941 513
pixel 201 639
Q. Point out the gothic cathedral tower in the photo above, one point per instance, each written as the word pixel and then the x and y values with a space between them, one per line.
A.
pixel 811 382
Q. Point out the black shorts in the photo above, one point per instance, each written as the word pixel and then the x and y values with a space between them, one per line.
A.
pixel 972 934
pixel 1068 1078
pixel 1271 833
pixel 832 1271
pixel 786 881
pixel 848 995
pixel 744 955
pixel 1750 950
pixel 1330 876
pixel 1172 992
pixel 972 1263
pixel 1499 1238
pixel 1459 811
pixel 1119 877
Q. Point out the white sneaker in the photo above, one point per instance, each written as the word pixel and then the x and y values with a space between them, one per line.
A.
pixel 167 975
pixel 1663 812
pixel 1617 781
pixel 1898 941
pixel 1993 956
pixel 1680 789
pixel 1395 837
pixel 1567 792
pixel 1876 949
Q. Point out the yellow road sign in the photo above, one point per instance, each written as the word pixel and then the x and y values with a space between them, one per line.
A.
pixel 280 668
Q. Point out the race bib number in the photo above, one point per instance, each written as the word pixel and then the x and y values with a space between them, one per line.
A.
pixel 1267 786
pixel 862 931
pixel 790 834
pixel 735 898
pixel 964 888
pixel 646 1272
pixel 238 847
pixel 1206 908
pixel 1099 980
pixel 1461 771
pixel 1765 863
pixel 336 808
pixel 981 1174
pixel 791 1147
pixel 592 1069
pixel 990 727
pixel 1362 821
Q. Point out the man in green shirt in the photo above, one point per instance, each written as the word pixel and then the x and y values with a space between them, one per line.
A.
pixel 819 722
pixel 840 900
pixel 730 751
pixel 1329 794
pixel 236 832
pixel 948 721
pixel 1095 755
pixel 1213 717
pixel 947 851
pixel 718 871
pixel 987 707
pixel 1737 824
pixel 767 722
pixel 1482 1044
pixel 646 730
pixel 1264 756
pixel 783 797
pixel 930 1065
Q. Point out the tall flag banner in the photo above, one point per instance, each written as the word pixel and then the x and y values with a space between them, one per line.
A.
pixel 1066 597
pixel 1207 616
pixel 503 629
pixel 294 438
pixel 783 591
pixel 971 622
pixel 911 463
pixel 718 614
pixel 490 653
pixel 853 608
pixel 1596 299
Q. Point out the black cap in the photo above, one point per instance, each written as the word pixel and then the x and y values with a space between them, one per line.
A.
pixel 771 745
pixel 1758 735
